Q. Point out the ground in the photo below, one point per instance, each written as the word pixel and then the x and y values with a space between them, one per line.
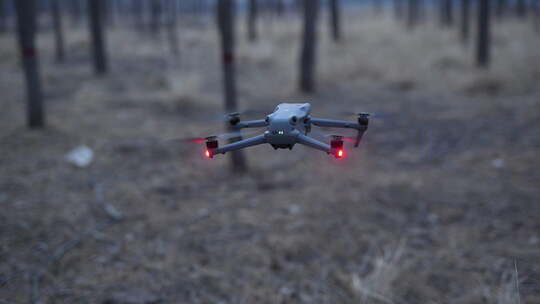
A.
pixel 440 204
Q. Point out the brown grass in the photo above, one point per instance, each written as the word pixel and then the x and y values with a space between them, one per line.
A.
pixel 435 207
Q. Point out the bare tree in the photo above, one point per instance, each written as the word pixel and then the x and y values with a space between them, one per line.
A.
pixel 521 8
pixel 138 14
pixel 95 9
pixel 536 11
pixel 465 20
pixel 155 22
pixel 109 12
pixel 75 9
pixel 335 20
pixel 58 30
pixel 501 7
pixel 253 10
pixel 309 45
pixel 483 54
pixel 412 13
pixel 225 18
pixel 447 12
pixel 377 6
pixel 280 7
pixel 172 27
pixel 3 17
pixel 398 9
pixel 26 28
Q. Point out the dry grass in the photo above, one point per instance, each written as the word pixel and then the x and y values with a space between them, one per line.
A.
pixel 435 207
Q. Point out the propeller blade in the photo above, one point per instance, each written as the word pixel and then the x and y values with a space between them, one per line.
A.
pixel 377 115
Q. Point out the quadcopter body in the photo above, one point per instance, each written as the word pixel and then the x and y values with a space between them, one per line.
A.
pixel 289 124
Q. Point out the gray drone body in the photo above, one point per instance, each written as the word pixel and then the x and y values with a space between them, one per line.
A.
pixel 289 124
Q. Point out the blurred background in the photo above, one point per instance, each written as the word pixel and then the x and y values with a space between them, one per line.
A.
pixel 103 200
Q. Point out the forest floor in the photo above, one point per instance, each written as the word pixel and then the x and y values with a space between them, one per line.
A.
pixel 440 204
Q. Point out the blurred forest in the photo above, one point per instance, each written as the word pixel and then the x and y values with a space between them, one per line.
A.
pixel 103 200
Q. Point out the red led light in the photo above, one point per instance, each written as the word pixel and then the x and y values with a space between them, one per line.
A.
pixel 340 153
pixel 207 153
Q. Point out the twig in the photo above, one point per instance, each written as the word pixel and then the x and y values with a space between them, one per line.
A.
pixel 58 254
pixel 35 287
pixel 113 215
pixel 109 209
pixel 517 282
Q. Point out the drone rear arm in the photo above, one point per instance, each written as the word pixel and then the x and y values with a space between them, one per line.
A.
pixel 313 143
pixel 257 140
pixel 361 126
pixel 330 123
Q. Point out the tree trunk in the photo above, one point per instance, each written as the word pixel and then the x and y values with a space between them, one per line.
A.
pixel 75 9
pixel 335 20
pixel 309 45
pixel 398 9
pixel 484 41
pixel 465 20
pixel 421 11
pixel 95 9
pixel 521 8
pixel 58 30
pixel 138 15
pixel 109 11
pixel 537 15
pixel 412 13
pixel 155 23
pixel 172 27
pixel 26 27
pixel 280 7
pixel 3 17
pixel 501 8
pixel 252 20
pixel 377 7
pixel 226 16
pixel 447 13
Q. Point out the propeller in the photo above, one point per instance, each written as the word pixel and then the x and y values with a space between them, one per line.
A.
pixel 377 115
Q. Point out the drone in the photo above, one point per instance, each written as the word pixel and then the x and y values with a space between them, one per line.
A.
pixel 289 124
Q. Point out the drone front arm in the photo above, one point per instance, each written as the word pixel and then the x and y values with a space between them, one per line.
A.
pixel 330 123
pixel 257 140
pixel 251 124
pixel 313 143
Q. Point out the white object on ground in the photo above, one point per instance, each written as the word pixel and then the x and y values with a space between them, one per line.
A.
pixel 498 163
pixel 81 156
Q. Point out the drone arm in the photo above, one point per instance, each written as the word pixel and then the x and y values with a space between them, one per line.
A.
pixel 312 143
pixel 251 124
pixel 330 123
pixel 257 140
pixel 361 126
